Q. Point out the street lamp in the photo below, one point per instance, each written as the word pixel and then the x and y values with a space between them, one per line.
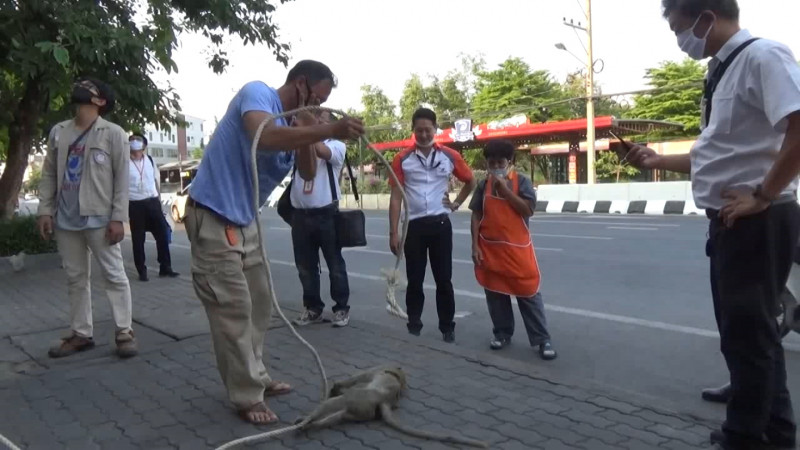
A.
pixel 590 132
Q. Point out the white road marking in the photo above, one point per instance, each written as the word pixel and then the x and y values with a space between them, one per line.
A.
pixel 633 228
pixel 588 222
pixel 381 252
pixel 566 236
pixel 560 309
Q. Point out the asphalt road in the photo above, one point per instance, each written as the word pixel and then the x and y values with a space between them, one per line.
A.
pixel 627 297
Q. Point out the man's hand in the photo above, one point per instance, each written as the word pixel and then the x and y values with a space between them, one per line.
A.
pixel 45 226
pixel 452 206
pixel 740 204
pixel 114 232
pixel 643 157
pixel 394 243
pixel 500 186
pixel 477 255
pixel 348 128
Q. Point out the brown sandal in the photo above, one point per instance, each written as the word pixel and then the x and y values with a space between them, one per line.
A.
pixel 71 345
pixel 275 388
pixel 248 415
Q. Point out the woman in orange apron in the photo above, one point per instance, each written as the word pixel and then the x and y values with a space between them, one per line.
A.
pixel 502 250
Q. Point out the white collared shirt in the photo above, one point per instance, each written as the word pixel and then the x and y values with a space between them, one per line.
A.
pixel 317 193
pixel 426 179
pixel 745 132
pixel 142 179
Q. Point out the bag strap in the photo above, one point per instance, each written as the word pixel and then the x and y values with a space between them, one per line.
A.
pixel 82 135
pixel 710 84
pixel 353 182
pixel 331 182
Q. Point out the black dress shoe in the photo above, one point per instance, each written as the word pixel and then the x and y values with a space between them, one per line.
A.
pixel 449 336
pixel 143 276
pixel 723 441
pixel 168 273
pixel 717 395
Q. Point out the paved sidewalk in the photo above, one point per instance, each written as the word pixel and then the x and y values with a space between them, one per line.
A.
pixel 171 397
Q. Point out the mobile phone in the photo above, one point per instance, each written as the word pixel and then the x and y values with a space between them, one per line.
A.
pixel 627 146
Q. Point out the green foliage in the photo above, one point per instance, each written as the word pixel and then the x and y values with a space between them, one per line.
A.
pixel 679 99
pixel 19 234
pixel 196 153
pixel 608 168
pixel 514 87
pixel 45 45
pixel 32 185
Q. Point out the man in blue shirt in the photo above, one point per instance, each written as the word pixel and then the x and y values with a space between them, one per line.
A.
pixel 227 271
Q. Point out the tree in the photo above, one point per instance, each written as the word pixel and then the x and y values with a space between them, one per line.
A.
pixel 513 88
pixel 413 97
pixel 196 153
pixel 379 118
pixel 575 87
pixel 608 167
pixel 678 99
pixel 46 44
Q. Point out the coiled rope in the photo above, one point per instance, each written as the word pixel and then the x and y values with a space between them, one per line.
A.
pixel 392 278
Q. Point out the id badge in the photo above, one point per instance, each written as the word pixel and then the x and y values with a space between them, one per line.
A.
pixel 308 187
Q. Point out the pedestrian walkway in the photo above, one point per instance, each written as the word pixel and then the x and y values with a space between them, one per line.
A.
pixel 171 397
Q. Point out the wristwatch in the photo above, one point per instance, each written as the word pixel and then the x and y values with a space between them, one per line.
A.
pixel 759 194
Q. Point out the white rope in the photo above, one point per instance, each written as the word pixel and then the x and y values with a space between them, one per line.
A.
pixel 394 308
pixel 5 441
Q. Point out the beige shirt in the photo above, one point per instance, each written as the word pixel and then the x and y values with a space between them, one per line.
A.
pixel 104 183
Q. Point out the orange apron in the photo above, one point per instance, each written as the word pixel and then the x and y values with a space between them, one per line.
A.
pixel 509 262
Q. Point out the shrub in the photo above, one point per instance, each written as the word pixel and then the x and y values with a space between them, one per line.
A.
pixel 20 234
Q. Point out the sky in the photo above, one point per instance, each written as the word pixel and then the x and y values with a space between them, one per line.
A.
pixel 382 42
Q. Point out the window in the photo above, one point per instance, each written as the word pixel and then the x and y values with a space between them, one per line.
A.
pixel 160 137
pixel 201 127
pixel 188 140
pixel 151 136
pixel 173 138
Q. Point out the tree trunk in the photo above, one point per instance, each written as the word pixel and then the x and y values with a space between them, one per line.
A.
pixel 20 141
pixel 619 168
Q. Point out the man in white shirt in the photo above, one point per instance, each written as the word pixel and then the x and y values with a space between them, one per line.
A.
pixel 744 169
pixel 424 172
pixel 144 209
pixel 316 204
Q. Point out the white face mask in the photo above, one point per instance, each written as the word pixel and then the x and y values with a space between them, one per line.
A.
pixel 137 146
pixel 425 144
pixel 692 45
pixel 499 173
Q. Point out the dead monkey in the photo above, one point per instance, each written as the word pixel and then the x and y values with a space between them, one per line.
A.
pixel 371 395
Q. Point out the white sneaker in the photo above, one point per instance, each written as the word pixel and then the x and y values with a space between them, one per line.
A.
pixel 341 319
pixel 308 317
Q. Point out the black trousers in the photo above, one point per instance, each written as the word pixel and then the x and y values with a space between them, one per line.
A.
pixel 145 215
pixel 430 237
pixel 750 264
pixel 314 230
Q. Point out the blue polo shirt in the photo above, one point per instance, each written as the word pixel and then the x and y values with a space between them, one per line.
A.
pixel 223 181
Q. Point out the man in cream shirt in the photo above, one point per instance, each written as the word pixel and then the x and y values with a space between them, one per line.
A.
pixel 83 200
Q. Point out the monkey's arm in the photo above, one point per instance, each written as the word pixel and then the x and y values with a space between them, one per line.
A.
pixel 362 378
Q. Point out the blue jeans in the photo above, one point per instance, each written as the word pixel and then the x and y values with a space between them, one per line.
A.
pixel 314 230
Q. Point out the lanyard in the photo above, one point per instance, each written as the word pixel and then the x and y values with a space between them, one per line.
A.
pixel 434 164
pixel 141 173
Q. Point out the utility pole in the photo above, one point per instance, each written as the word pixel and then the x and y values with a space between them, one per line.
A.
pixel 590 137
pixel 590 131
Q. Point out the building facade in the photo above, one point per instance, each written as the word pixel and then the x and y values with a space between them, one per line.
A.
pixel 177 143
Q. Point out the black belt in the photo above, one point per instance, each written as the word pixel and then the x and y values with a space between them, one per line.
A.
pixel 430 219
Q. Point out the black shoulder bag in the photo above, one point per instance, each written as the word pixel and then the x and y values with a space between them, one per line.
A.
pixel 351 229
pixel 284 206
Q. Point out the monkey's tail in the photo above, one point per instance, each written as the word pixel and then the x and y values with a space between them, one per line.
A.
pixel 386 414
